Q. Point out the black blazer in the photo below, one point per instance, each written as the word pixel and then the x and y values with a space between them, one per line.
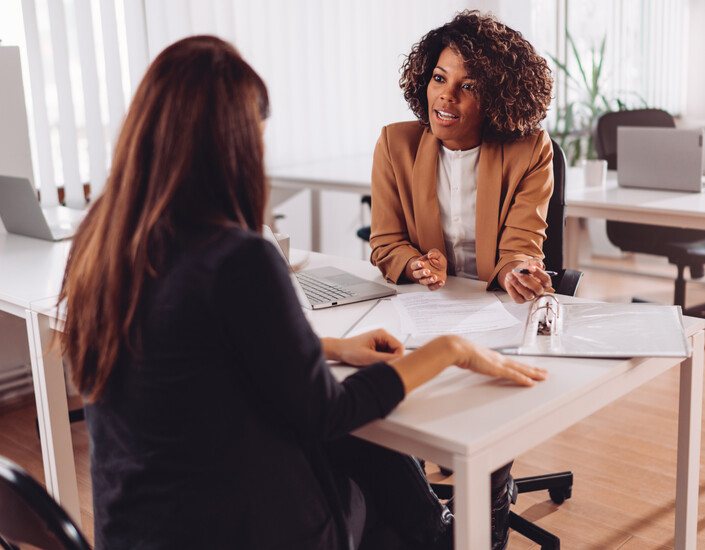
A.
pixel 211 437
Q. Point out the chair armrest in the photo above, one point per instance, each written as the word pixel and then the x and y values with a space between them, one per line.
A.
pixel 567 281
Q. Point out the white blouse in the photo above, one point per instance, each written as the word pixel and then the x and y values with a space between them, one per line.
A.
pixel 456 187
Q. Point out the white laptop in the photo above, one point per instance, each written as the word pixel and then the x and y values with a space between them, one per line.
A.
pixel 22 214
pixel 329 286
pixel 669 159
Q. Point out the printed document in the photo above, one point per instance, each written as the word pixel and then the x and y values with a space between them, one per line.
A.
pixel 483 319
pixel 461 307
pixel 430 313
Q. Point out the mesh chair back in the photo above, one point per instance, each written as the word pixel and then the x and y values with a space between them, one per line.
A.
pixel 28 515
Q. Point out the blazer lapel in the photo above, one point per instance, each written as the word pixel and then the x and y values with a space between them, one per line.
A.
pixel 423 181
pixel 489 190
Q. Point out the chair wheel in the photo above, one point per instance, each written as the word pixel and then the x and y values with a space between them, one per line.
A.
pixel 560 494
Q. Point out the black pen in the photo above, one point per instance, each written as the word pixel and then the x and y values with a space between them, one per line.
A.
pixel 527 272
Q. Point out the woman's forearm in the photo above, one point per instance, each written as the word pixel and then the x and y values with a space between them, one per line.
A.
pixel 331 348
pixel 421 365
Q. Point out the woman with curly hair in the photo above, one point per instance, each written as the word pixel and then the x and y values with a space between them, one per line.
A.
pixel 465 189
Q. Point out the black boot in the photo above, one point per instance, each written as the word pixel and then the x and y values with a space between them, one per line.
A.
pixel 502 498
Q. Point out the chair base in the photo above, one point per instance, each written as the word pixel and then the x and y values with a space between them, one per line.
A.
pixel 559 485
pixel 560 488
pixel 531 531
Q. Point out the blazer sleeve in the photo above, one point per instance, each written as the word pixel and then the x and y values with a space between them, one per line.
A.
pixel 391 246
pixel 279 357
pixel 524 229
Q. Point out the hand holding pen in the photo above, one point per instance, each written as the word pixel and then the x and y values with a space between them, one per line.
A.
pixel 527 280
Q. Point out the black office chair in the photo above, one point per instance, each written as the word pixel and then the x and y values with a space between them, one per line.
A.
pixel 683 247
pixel 567 280
pixel 28 515
pixel 365 231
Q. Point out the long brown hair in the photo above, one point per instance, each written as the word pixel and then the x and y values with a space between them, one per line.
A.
pixel 190 155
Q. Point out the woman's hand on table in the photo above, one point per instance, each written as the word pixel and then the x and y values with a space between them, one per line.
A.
pixel 487 361
pixel 422 364
pixel 523 287
pixel 430 270
pixel 363 349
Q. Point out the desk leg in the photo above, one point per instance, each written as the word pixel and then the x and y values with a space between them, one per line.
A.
pixel 53 416
pixel 472 503
pixel 689 426
pixel 315 220
pixel 572 242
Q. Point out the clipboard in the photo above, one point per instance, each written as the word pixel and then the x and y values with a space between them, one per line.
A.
pixel 603 330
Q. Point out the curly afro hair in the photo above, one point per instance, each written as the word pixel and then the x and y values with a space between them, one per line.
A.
pixel 513 82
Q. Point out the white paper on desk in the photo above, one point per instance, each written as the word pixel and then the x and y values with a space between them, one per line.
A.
pixel 425 315
pixel 385 315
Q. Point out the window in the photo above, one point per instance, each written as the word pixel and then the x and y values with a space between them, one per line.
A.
pixel 642 63
pixel 76 79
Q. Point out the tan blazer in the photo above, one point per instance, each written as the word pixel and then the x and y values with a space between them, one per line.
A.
pixel 514 185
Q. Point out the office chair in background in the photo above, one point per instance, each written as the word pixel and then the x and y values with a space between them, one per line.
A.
pixel 683 247
pixel 365 231
pixel 28 515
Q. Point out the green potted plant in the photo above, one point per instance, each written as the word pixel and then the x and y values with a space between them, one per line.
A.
pixel 573 128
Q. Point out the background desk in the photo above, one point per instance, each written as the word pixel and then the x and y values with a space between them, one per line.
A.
pixel 470 423
pixel 611 202
pixel 345 175
pixel 352 174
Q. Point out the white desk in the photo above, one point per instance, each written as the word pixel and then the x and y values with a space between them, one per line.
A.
pixel 667 208
pixel 467 422
pixel 474 424
pixel 31 270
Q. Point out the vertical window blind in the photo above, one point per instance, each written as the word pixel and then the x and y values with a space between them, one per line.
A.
pixel 332 67
pixel 84 59
pixel 645 61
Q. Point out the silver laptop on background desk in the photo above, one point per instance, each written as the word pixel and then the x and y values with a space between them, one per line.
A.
pixel 668 159
pixel 329 286
pixel 22 214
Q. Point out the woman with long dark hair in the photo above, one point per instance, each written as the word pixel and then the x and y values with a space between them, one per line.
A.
pixel 214 419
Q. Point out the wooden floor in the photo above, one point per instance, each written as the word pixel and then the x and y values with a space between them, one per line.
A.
pixel 623 457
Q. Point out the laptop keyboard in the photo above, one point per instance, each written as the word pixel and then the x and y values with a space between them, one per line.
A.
pixel 319 290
